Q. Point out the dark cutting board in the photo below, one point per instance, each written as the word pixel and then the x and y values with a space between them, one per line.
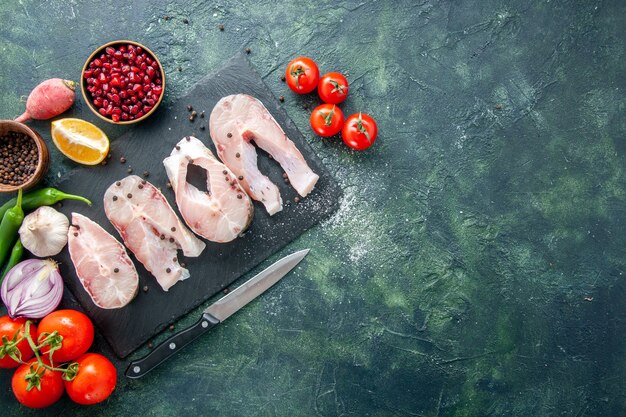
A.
pixel 219 265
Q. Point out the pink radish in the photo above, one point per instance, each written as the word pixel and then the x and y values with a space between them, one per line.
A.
pixel 50 98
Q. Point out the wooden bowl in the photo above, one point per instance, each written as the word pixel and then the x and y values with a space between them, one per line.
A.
pixel 7 126
pixel 87 95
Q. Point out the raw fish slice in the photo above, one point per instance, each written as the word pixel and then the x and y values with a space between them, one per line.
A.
pixel 102 264
pixel 219 214
pixel 238 119
pixel 150 228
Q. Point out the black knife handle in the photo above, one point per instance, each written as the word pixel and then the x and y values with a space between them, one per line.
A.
pixel 179 340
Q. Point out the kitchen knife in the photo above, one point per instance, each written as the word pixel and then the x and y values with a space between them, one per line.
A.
pixel 216 313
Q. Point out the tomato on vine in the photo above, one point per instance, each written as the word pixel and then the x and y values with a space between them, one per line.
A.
pixel 13 346
pixel 69 333
pixel 326 120
pixel 302 75
pixel 90 379
pixel 36 386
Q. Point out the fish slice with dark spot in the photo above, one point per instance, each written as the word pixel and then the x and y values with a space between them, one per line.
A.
pixel 102 264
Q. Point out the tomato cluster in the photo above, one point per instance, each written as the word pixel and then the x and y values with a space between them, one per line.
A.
pixel 358 131
pixel 61 364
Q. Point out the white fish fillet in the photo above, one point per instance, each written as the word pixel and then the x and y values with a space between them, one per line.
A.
pixel 238 119
pixel 219 214
pixel 102 264
pixel 150 228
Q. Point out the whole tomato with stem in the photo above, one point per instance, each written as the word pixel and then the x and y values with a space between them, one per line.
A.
pixel 90 379
pixel 68 334
pixel 36 386
pixel 327 120
pixel 360 131
pixel 302 75
pixel 333 88
pixel 13 345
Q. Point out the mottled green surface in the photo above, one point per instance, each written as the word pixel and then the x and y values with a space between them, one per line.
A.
pixel 476 264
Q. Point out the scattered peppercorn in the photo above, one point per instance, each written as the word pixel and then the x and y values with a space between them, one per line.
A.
pixel 129 195
pixel 173 229
pixel 237 155
pixel 229 135
pixel 145 288
pixel 129 170
pixel 18 158
pixel 114 198
pixel 150 345
pixel 296 200
pixel 118 183
pixel 123 160
pixel 182 264
pixel 240 177
pixel 226 291
pixel 168 270
pixel 166 18
pixel 180 69
pixel 239 196
pixel 171 240
pixel 162 237
pixel 186 21
pixel 281 99
pixel 171 327
pixel 140 186
pixel 201 127
pixel 305 106
pixel 202 115
pixel 285 175
pixel 116 270
pixel 189 107
pixel 191 118
pixel 248 50
pixel 282 78
pixel 168 184
pixel 220 27
pixel 75 234
pixel 144 182
pixel 146 173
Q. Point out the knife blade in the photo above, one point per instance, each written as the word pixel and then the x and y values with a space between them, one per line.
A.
pixel 216 313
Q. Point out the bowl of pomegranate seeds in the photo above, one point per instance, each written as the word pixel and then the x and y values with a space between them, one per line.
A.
pixel 123 82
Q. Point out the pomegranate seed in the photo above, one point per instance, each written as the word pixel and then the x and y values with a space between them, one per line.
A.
pixel 151 102
pixel 115 117
pixel 109 96
pixel 146 88
pixel 132 56
pixel 88 74
pixel 125 69
pixel 157 90
pixel 123 94
pixel 125 116
pixel 134 68
pixel 133 100
pixel 139 50
pixel 97 71
pixel 106 65
pixel 118 54
pixel 122 48
pixel 143 66
pixel 139 60
pixel 110 50
pixel 102 111
pixel 104 58
pixel 146 109
pixel 114 90
pixel 97 62
pixel 132 77
pixel 131 47
pixel 115 81
pixel 109 109
pixel 97 102
pixel 105 87
pixel 117 110
pixel 92 64
pixel 138 115
pixel 102 78
pixel 134 109
pixel 105 103
pixel 141 95
pixel 115 98
pixel 125 108
pixel 158 80
pixel 146 80
pixel 98 93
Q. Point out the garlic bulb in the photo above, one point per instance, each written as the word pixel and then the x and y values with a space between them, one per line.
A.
pixel 44 231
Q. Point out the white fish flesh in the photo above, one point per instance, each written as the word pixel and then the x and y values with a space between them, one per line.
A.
pixel 150 228
pixel 238 119
pixel 102 264
pixel 218 214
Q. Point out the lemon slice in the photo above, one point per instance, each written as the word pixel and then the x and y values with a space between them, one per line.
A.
pixel 80 141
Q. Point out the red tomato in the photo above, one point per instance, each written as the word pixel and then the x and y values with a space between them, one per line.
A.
pixel 302 75
pixel 37 387
pixel 327 119
pixel 13 330
pixel 360 131
pixel 333 88
pixel 94 381
pixel 74 327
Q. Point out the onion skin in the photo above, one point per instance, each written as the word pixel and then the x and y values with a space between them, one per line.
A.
pixel 50 98
pixel 32 289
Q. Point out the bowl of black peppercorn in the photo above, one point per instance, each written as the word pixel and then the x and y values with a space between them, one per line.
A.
pixel 24 157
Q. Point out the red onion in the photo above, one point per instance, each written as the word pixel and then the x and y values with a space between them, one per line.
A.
pixel 32 289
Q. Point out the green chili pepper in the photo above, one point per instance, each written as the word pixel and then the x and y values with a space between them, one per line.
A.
pixel 16 256
pixel 43 197
pixel 11 222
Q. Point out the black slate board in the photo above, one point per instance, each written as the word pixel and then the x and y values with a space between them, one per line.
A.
pixel 219 265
